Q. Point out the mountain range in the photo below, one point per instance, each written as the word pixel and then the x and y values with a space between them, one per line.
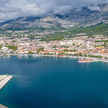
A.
pixel 77 17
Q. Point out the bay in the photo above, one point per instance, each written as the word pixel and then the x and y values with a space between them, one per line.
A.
pixel 50 82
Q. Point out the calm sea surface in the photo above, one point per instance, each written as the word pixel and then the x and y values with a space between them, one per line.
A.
pixel 50 82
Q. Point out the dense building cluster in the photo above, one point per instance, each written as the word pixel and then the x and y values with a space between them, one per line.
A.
pixel 76 46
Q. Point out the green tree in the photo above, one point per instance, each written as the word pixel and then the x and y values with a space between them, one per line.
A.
pixel 12 47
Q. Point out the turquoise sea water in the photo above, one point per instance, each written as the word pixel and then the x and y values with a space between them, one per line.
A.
pixel 50 82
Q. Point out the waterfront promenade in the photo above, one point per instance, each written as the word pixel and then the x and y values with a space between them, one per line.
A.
pixel 4 79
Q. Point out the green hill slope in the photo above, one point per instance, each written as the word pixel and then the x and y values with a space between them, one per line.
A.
pixel 100 29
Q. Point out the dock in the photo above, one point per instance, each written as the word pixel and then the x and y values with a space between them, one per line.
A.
pixel 4 79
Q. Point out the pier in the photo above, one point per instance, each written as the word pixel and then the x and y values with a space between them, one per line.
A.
pixel 4 79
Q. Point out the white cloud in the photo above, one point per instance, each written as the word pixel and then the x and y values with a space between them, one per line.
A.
pixel 16 8
pixel 32 9
pixel 62 9
pixel 94 8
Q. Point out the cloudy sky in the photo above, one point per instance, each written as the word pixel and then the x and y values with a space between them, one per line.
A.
pixel 14 8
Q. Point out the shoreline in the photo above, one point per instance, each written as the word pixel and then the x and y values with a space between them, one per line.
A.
pixel 58 56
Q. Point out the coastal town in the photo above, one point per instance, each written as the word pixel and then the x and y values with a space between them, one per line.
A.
pixel 80 46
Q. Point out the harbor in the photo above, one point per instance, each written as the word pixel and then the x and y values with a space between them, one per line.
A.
pixel 34 79
pixel 4 79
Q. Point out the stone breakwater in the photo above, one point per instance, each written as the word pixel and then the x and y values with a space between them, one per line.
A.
pixel 4 79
